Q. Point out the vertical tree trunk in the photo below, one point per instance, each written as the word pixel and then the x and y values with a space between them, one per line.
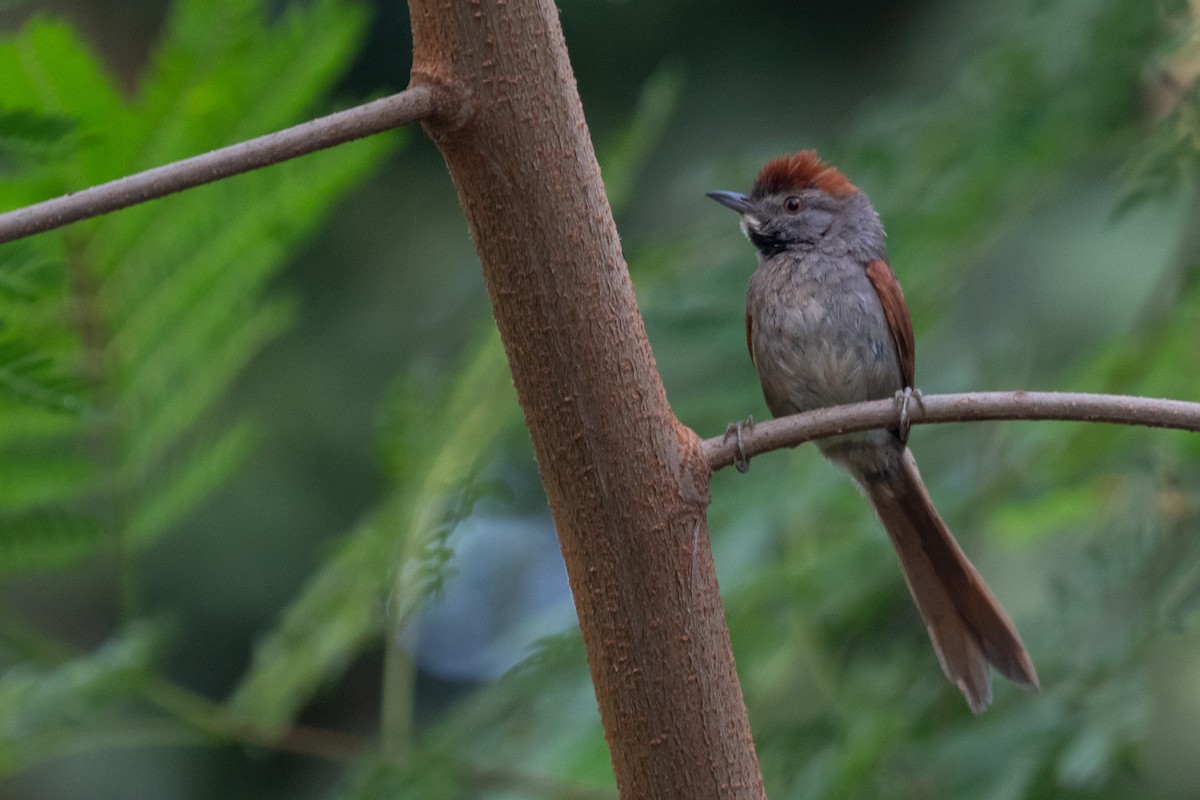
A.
pixel 627 483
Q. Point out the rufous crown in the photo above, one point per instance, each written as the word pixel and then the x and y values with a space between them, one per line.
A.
pixel 803 170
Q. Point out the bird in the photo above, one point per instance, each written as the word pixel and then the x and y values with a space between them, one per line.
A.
pixel 827 324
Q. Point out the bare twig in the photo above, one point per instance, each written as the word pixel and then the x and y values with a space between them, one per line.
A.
pixel 799 428
pixel 413 104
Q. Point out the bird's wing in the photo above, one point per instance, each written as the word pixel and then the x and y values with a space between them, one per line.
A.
pixel 892 299
pixel 750 335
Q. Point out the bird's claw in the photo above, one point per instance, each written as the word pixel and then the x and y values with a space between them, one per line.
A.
pixel 740 460
pixel 902 398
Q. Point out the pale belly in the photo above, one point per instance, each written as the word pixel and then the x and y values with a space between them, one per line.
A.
pixel 820 349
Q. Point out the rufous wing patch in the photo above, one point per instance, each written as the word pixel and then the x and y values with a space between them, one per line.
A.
pixel 894 308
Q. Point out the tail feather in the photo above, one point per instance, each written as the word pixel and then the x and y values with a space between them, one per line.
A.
pixel 968 627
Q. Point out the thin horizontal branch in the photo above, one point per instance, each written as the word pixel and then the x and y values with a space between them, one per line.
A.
pixel 381 115
pixel 800 428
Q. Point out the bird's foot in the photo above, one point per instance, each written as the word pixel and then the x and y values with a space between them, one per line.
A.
pixel 740 460
pixel 902 398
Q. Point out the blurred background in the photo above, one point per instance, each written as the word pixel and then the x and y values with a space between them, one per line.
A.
pixel 270 524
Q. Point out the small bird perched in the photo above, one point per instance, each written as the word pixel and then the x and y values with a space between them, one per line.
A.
pixel 826 324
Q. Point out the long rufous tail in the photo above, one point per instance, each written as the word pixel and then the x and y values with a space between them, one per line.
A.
pixel 968 627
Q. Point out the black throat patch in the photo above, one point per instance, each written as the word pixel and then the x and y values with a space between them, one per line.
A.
pixel 767 245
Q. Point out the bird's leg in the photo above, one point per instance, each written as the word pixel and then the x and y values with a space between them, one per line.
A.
pixel 902 398
pixel 740 459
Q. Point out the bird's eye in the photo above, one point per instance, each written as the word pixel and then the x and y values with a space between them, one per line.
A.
pixel 793 205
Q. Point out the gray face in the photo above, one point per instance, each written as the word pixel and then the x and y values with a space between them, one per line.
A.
pixel 801 219
pixel 807 219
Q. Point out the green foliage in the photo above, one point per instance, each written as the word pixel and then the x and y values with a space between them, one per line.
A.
pixel 625 157
pixel 120 335
pixel 43 709
pixel 436 778
pixel 398 554
pixel 28 139
pixel 119 340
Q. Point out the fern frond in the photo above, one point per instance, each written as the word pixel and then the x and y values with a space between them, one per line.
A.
pixel 35 342
pixel 181 395
pixel 337 613
pixel 27 375
pixel 188 482
pixel 49 70
pixel 28 140
pixel 201 95
pixel 41 708
pixel 164 303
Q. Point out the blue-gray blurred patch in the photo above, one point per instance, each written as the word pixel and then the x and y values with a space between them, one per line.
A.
pixel 506 589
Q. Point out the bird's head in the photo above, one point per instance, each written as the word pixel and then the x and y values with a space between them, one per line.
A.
pixel 799 202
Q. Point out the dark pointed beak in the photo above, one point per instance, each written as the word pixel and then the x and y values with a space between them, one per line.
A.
pixel 736 200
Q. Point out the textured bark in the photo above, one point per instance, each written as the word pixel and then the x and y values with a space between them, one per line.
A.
pixel 626 481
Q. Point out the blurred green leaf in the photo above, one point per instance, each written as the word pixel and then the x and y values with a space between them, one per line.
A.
pixel 624 159
pixel 35 541
pixel 42 709
pixel 137 325
pixel 391 563
pixel 120 338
